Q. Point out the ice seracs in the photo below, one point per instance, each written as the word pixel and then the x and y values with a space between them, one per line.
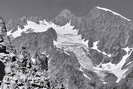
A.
pixel 115 13
pixel 67 36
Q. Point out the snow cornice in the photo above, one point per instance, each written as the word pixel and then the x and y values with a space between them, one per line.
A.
pixel 115 13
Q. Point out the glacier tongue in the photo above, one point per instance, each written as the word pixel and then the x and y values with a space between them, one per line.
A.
pixel 69 40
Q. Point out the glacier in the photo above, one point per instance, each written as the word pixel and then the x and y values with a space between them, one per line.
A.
pixel 68 39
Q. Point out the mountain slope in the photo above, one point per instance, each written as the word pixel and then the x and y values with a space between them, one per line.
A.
pixel 85 50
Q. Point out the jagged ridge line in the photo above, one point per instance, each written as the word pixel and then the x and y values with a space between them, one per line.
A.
pixel 115 13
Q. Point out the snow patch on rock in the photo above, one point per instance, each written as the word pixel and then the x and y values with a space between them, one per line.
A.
pixel 95 47
pixel 31 27
pixel 115 69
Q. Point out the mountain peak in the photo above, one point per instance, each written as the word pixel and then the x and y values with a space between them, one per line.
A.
pixel 63 17
pixel 65 13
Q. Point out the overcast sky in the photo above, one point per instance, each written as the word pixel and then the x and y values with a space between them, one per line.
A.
pixel 50 8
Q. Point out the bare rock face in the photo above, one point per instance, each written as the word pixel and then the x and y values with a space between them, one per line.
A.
pixel 2 70
pixel 34 41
